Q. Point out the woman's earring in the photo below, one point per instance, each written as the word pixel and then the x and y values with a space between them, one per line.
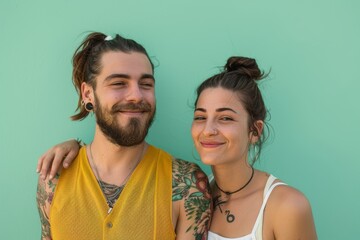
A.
pixel 89 107
pixel 254 153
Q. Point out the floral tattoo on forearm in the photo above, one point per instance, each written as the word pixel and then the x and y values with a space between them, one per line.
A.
pixel 44 196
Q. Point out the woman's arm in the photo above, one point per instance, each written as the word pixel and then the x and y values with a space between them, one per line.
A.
pixel 49 163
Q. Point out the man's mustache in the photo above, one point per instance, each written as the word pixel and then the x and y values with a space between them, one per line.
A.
pixel 142 107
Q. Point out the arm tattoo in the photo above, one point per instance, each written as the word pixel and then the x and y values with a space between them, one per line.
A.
pixel 44 196
pixel 191 185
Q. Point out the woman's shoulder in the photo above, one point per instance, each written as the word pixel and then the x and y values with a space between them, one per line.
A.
pixel 290 212
pixel 287 198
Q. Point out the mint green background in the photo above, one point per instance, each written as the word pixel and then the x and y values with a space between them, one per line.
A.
pixel 312 48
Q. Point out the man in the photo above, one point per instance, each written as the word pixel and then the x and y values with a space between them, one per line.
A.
pixel 120 187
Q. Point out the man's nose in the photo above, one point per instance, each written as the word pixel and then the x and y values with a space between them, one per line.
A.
pixel 134 93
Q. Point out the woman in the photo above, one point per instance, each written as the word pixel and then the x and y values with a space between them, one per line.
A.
pixel 228 128
pixel 225 129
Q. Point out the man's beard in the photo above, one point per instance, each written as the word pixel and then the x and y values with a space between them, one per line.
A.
pixel 133 133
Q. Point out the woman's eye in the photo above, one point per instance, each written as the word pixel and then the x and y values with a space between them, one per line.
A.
pixel 199 118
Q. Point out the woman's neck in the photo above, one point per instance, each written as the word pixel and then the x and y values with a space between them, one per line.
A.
pixel 230 178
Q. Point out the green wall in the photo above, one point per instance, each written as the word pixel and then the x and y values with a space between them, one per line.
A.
pixel 311 47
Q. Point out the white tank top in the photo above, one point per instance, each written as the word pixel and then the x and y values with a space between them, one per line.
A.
pixel 256 233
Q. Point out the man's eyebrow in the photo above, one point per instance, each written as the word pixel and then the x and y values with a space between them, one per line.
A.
pixel 117 75
pixel 217 110
pixel 126 76
pixel 146 75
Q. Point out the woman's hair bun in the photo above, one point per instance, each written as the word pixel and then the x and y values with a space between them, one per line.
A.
pixel 245 66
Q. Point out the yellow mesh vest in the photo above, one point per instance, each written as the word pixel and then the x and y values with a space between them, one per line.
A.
pixel 143 210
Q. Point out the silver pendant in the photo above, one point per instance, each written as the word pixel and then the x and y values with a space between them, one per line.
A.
pixel 110 209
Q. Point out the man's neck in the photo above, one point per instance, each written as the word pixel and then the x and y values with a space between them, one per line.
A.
pixel 113 162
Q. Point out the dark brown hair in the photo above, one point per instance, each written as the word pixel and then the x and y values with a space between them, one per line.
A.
pixel 241 75
pixel 87 61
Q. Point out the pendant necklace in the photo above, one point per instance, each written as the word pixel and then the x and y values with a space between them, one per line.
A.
pixel 217 202
pixel 111 192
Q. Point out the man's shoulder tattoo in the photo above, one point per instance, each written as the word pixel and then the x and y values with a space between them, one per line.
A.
pixel 191 184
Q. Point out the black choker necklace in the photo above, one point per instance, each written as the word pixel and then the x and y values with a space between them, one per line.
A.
pixel 229 193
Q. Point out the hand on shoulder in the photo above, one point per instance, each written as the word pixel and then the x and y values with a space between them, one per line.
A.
pixel 57 156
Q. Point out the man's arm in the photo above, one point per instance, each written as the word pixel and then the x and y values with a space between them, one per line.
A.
pixel 191 196
pixel 44 196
